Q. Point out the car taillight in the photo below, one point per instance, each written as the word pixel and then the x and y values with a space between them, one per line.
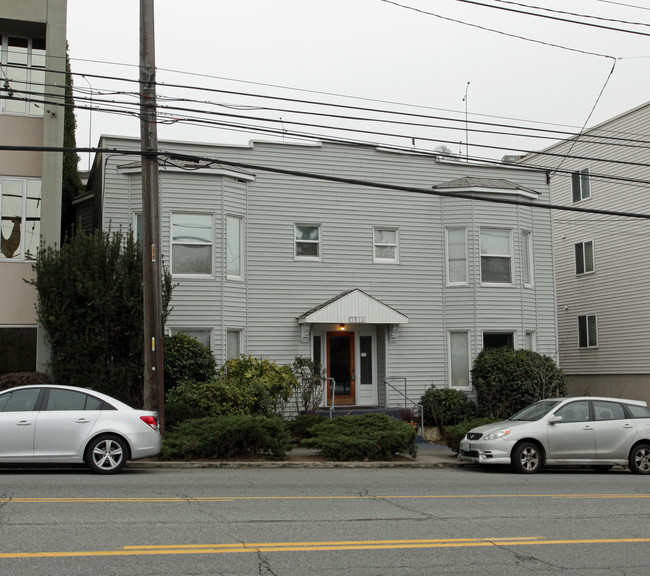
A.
pixel 150 421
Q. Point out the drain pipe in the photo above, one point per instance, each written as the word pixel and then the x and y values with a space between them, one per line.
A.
pixel 332 395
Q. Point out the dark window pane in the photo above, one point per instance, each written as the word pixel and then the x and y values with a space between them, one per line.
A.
pixel 495 270
pixel 582 331
pixel 498 340
pixel 19 400
pixel 365 343
pixel 17 350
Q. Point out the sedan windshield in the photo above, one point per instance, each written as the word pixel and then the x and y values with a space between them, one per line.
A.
pixel 535 411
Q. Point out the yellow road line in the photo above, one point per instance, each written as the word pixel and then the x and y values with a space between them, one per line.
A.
pixel 19 500
pixel 317 547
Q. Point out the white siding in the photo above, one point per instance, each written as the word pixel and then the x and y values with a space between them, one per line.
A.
pixel 276 289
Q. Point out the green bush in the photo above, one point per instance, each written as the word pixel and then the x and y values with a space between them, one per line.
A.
pixel 14 379
pixel 454 434
pixel 311 384
pixel 187 359
pixel 244 385
pixel 90 303
pixel 366 437
pixel 227 437
pixel 446 407
pixel 299 427
pixel 255 385
pixel 507 380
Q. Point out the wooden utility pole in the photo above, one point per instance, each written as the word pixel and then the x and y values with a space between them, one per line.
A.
pixel 153 329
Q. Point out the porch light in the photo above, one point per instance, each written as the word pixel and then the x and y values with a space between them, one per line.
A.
pixel 341 326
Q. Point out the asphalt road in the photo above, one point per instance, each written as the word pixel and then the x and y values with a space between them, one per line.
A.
pixel 322 521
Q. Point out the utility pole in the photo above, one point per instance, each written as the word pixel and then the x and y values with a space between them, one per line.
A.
pixel 153 331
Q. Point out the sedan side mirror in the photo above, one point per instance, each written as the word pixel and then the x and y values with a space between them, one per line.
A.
pixel 554 419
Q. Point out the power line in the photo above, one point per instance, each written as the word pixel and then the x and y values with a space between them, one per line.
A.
pixel 501 32
pixel 558 19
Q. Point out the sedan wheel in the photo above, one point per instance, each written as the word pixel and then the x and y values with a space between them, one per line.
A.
pixel 639 459
pixel 106 454
pixel 526 458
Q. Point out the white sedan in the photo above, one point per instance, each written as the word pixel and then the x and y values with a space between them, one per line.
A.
pixel 66 425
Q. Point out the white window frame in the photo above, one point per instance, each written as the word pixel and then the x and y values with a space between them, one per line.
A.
pixel 581 185
pixel 530 340
pixel 27 250
pixel 203 335
pixel 209 243
pixel 240 256
pixel 318 242
pixel 238 334
pixel 588 332
pixel 33 87
pixel 581 246
pixel 527 258
pixel 487 255
pixel 376 245
pixel 466 370
pixel 465 281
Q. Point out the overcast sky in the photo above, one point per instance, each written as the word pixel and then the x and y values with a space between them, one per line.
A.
pixel 407 55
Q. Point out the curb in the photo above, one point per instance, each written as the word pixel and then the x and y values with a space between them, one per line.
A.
pixel 294 464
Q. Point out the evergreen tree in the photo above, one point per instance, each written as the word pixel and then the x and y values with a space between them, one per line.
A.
pixel 71 181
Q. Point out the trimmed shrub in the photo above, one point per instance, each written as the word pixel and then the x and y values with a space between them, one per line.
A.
pixel 446 407
pixel 299 427
pixel 187 359
pixel 454 434
pixel 23 379
pixel 507 380
pixel 227 437
pixel 366 437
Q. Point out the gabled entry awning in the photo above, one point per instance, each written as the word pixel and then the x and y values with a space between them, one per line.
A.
pixel 353 307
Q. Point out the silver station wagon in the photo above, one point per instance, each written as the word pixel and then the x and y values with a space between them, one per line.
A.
pixel 583 431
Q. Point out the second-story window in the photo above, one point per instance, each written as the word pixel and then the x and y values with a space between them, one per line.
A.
pixel 307 239
pixel 527 257
pixel 580 185
pixel 233 246
pixel 496 256
pixel 584 257
pixel 22 62
pixel 385 241
pixel 191 244
pixel 456 256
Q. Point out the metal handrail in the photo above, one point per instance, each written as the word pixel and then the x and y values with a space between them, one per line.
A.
pixel 419 404
pixel 332 395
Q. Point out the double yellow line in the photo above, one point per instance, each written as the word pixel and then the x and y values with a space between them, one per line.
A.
pixel 240 548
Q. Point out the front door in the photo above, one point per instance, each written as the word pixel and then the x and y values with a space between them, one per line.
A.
pixel 340 367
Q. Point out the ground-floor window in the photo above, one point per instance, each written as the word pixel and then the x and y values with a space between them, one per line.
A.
pixel 459 359
pixel 498 340
pixel 233 344
pixel 17 349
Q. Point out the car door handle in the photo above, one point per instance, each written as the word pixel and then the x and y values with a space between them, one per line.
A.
pixel 82 420
pixel 628 426
pixel 588 427
pixel 23 423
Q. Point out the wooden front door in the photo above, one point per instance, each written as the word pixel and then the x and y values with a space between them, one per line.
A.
pixel 340 367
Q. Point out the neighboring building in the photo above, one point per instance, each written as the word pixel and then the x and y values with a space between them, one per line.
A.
pixel 32 84
pixel 602 265
pixel 377 284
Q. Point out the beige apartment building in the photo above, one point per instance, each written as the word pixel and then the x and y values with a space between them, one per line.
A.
pixel 32 87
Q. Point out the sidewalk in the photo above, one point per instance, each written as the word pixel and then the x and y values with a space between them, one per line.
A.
pixel 429 456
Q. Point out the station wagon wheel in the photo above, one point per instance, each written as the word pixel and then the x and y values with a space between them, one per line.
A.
pixel 526 458
pixel 639 459
pixel 106 454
